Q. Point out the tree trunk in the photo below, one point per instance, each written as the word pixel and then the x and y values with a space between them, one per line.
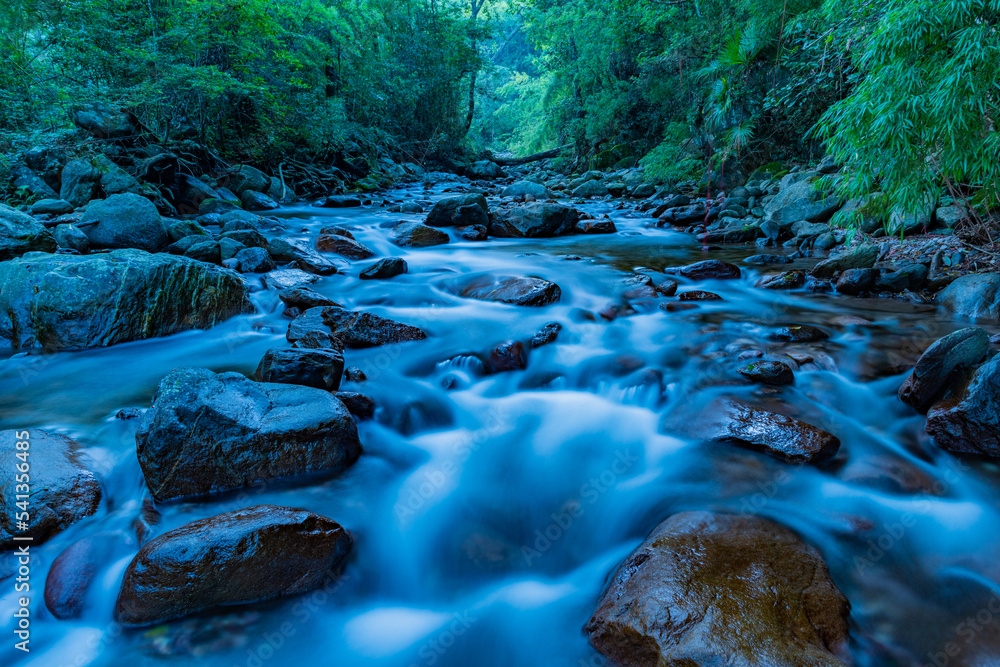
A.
pixel 514 161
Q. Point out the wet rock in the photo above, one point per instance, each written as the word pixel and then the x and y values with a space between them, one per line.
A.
pixel 228 249
pixel 283 279
pixel 304 298
pixel 181 228
pixel 698 295
pixel 355 374
pixel 475 233
pixel 385 269
pixel 308 330
pixel 534 220
pixel 255 260
pixel 461 211
pixel 736 422
pixel 801 201
pixel 940 365
pixel 79 182
pixel 783 280
pixel 766 260
pixel 680 216
pixel 343 246
pixel 342 201
pixel 360 330
pixel 417 235
pixel 319 368
pixel 251 238
pixel 709 269
pixel 73 571
pixel 967 420
pixel 799 333
pixel 522 188
pixel 20 233
pixel 508 356
pixel 673 307
pixel 63 491
pixel 768 372
pixel 862 257
pixel 66 302
pixel 210 432
pixel 718 589
pixel 359 405
pixel 596 227
pixel 520 291
pixel 484 169
pixel 857 281
pixel 975 296
pixel 253 554
pixel 546 334
pixel 125 221
pixel 301 256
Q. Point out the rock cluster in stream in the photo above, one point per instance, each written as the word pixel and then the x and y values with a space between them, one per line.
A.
pixel 96 263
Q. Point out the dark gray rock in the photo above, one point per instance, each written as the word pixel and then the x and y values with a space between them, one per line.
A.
pixel 768 372
pixel 783 280
pixel 460 211
pixel 248 178
pixel 862 257
pixel 125 221
pixel 72 237
pixel 546 334
pixel 526 188
pixel 257 201
pixel 359 405
pixel 63 491
pixel 857 281
pixel 104 121
pixel 383 269
pixel 343 246
pixel 520 291
pixel 210 432
pixel 255 260
pixel 940 365
pixel 709 269
pixel 709 589
pixel 909 277
pixel 361 330
pixel 534 220
pixel 319 368
pixel 66 302
pixel 51 207
pixel 79 182
pixel 301 256
pixel 967 420
pixel 975 296
pixel 250 555
pixel 304 298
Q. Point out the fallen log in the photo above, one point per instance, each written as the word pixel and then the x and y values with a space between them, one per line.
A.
pixel 514 161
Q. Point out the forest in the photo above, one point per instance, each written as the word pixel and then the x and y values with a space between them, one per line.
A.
pixel 437 333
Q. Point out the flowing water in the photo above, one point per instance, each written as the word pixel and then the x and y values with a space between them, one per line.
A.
pixel 487 515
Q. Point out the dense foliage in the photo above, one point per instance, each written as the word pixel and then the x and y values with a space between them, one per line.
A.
pixel 903 91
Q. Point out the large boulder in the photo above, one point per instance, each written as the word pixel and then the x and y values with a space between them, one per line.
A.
pixel 20 233
pixel 26 178
pixel 940 363
pixel 65 302
pixel 343 246
pixel 975 296
pixel 250 555
pixel 535 220
pixel 709 589
pixel 709 269
pixel 301 256
pixel 801 201
pixel 125 221
pixel 62 490
pixel 460 211
pixel 248 178
pixel 209 432
pixel 79 182
pixel 516 290
pixel 591 189
pixel 967 419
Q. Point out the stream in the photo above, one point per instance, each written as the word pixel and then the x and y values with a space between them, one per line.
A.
pixel 489 509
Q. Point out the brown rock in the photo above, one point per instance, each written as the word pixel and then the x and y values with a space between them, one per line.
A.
pixel 249 555
pixel 709 589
